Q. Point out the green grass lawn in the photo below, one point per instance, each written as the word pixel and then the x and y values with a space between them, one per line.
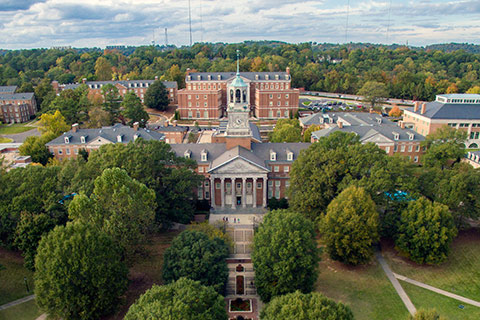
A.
pixel 24 311
pixel 12 285
pixel 366 289
pixel 307 103
pixel 146 270
pixel 460 274
pixel 445 306
pixel 5 140
pixel 14 128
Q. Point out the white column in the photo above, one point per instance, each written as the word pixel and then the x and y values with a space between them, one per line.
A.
pixel 212 191
pixel 234 200
pixel 222 191
pixel 244 192
pixel 264 192
pixel 254 190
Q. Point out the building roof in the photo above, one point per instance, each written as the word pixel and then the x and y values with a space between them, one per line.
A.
pixel 109 133
pixel 8 89
pixel 17 96
pixel 125 83
pixel 252 76
pixel 238 82
pixel 454 111
pixel 222 127
pixel 170 128
pixel 237 152
pixel 369 127
pixel 460 96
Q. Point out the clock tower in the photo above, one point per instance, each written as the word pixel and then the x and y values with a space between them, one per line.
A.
pixel 238 110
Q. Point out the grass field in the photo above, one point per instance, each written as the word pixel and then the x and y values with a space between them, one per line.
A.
pixel 24 311
pixel 12 285
pixel 5 140
pixel 14 128
pixel 366 289
pixel 146 271
pixel 460 274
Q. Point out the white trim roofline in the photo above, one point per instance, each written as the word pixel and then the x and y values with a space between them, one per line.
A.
pixel 236 157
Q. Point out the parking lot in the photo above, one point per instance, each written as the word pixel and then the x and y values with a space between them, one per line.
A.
pixel 325 105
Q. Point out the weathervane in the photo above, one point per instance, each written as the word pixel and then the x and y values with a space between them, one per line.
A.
pixel 238 66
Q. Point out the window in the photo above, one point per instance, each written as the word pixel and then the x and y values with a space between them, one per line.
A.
pixel 387 149
pixel 270 113
pixel 277 193
pixel 417 148
pixel 204 156
pixel 189 113
pixel 276 168
pixel 205 104
pixel 200 193
pixel 189 96
pixel 67 150
pixel 290 156
pixel 286 103
pixel 410 148
pixel 67 140
pixel 402 148
pixel 285 114
pixel 228 186
pixel 196 96
pixel 395 148
pixel 286 96
pixel 415 158
pixel 273 156
pixel 198 114
pixel 200 169
pixel 207 195
pixel 249 186
pixel 60 151
pixel 75 151
pixel 279 113
pixel 270 183
pixel 271 96
pixel 217 185
pixel 277 183
pixel 270 193
pixel 286 168
pixel 279 96
pixel 259 185
pixel 287 183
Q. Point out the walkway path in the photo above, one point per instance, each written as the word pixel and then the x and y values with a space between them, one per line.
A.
pixel 16 302
pixel 439 291
pixel 403 295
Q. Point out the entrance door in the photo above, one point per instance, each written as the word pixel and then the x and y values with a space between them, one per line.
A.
pixel 239 201
pixel 240 285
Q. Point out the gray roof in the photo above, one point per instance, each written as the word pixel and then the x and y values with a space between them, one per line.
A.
pixel 170 128
pixel 252 76
pixel 168 84
pixel 366 125
pixel 222 127
pixel 460 95
pixel 8 89
pixel 259 154
pixel 439 110
pixel 108 133
pixel 17 96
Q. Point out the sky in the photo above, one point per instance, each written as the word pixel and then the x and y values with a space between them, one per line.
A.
pixel 98 23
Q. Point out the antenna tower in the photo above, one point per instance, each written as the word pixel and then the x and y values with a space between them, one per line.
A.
pixel 190 21
pixel 388 21
pixel 346 24
pixel 166 38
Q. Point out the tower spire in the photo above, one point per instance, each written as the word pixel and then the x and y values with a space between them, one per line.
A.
pixel 238 65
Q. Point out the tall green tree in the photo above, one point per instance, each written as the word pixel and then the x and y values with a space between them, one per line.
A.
pixel 111 101
pixel 184 299
pixel 285 255
pixel 103 69
pixel 195 256
pixel 444 146
pixel 156 96
pixel 301 306
pixel 133 109
pixel 286 130
pixel 44 94
pixel 374 92
pixel 73 104
pixel 120 206
pixel 307 135
pixel 53 123
pixel 34 147
pixel 350 227
pixel 426 231
pixel 79 273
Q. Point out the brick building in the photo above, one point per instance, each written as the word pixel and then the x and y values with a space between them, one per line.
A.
pixel 267 95
pixel 371 127
pixel 172 132
pixel 70 143
pixel 138 86
pixel 17 107
pixel 459 111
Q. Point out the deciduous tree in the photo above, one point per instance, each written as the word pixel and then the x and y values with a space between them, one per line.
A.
pixel 103 69
pixel 133 109
pixel 156 96
pixel 53 123
pixel 285 255
pixel 444 146
pixel 350 227
pixel 286 130
pixel 373 92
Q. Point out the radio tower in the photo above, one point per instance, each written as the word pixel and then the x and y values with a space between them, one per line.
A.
pixel 166 38
pixel 190 21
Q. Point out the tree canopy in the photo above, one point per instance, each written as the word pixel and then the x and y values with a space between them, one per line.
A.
pixel 156 96
pixel 443 146
pixel 425 232
pixel 79 273
pixel 195 256
pixel 301 306
pixel 183 299
pixel 285 255
pixel 350 227
pixel 373 92
pixel 286 130
pixel 133 109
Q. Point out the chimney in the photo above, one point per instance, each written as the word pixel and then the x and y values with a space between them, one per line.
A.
pixel 75 127
pixel 84 80
pixel 340 124
pixel 370 110
pixel 156 78
pixel 416 106
pixel 402 124
pixel 166 124
pixel 135 126
pixel 424 108
pixel 188 71
pixel 288 70
pixel 174 123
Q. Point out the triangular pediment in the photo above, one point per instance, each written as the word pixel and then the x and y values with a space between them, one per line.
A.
pixel 98 141
pixel 375 137
pixel 239 165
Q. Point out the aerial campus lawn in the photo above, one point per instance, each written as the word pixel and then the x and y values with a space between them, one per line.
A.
pixel 14 128
pixel 366 289
pixel 25 311
pixel 5 140
pixel 12 284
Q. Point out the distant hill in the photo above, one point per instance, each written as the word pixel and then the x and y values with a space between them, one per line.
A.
pixel 449 47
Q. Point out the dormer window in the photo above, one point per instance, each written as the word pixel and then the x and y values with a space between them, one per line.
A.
pixel 83 139
pixel 119 138
pixel 219 77
pixel 188 154
pixel 209 77
pixel 256 77
pixel 204 155
pixel 273 155
pixel 136 136
pixel 396 136
pixel 289 155
pixel 287 77
pixel 67 140
pixel 411 135
pixel 379 120
pixel 189 78
pixel 276 77
pixel 266 77
pixel 199 77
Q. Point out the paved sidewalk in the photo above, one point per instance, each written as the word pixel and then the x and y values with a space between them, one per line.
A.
pixel 16 302
pixel 403 295
pixel 439 291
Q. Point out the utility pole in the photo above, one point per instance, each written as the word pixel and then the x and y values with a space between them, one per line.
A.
pixel 166 38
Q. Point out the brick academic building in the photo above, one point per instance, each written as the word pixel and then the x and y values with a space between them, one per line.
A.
pixel 268 95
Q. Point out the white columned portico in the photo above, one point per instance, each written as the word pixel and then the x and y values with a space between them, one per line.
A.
pixel 222 192
pixel 234 200
pixel 254 188
pixel 244 192
pixel 264 192
pixel 212 191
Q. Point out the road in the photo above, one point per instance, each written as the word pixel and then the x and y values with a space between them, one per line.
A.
pixel 351 97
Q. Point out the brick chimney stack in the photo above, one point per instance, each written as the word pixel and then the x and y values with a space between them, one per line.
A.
pixel 416 106
pixel 75 127
pixel 166 124
pixel 288 70
pixel 135 126
pixel 84 80
pixel 174 123
pixel 402 124
pixel 188 71
pixel 424 108
pixel 156 78
pixel 340 124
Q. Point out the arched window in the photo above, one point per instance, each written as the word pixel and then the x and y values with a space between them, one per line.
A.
pixel 231 95
pixel 473 146
pixel 237 96
pixel 244 96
